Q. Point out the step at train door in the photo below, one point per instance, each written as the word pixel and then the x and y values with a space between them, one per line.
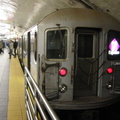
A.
pixel 86 62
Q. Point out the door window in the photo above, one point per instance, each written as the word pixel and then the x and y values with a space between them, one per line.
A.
pixel 85 45
pixel 35 46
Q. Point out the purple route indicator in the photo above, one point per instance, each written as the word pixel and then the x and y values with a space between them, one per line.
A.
pixel 114 46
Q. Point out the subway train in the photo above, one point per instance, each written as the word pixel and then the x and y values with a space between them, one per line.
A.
pixel 73 55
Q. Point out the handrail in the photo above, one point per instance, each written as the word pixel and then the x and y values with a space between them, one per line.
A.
pixel 31 110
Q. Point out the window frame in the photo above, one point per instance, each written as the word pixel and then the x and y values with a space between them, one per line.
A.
pixel 53 29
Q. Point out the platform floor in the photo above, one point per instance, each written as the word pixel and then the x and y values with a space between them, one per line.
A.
pixel 12 105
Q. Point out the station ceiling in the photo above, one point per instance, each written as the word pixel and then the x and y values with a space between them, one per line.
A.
pixel 19 15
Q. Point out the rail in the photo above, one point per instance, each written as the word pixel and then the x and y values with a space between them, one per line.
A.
pixel 37 106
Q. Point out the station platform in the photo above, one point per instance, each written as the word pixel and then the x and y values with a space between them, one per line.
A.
pixel 12 103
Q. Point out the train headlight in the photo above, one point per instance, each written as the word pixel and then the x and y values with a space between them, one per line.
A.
pixel 63 71
pixel 110 70
pixel 62 88
pixel 109 85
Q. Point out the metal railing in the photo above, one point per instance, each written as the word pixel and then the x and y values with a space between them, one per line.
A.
pixel 37 106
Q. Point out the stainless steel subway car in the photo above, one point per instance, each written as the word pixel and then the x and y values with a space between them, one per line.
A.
pixel 74 56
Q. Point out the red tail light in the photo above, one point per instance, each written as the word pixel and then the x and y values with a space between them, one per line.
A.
pixel 110 70
pixel 63 72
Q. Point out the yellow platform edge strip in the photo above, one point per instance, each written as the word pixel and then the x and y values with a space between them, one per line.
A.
pixel 16 99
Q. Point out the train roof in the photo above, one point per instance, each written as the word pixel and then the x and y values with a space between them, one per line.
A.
pixel 81 17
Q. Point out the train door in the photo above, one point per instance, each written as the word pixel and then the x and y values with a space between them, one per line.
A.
pixel 33 54
pixel 86 62
pixel 25 50
pixel 56 54
pixel 20 50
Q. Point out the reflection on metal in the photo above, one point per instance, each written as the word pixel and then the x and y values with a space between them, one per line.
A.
pixel 36 103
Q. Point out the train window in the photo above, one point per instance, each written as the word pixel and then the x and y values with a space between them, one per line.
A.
pixel 56 44
pixel 35 46
pixel 85 45
pixel 113 45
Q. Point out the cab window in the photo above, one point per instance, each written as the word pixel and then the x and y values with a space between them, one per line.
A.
pixel 56 44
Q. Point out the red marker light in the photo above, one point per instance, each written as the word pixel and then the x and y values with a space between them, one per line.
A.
pixel 63 72
pixel 110 70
